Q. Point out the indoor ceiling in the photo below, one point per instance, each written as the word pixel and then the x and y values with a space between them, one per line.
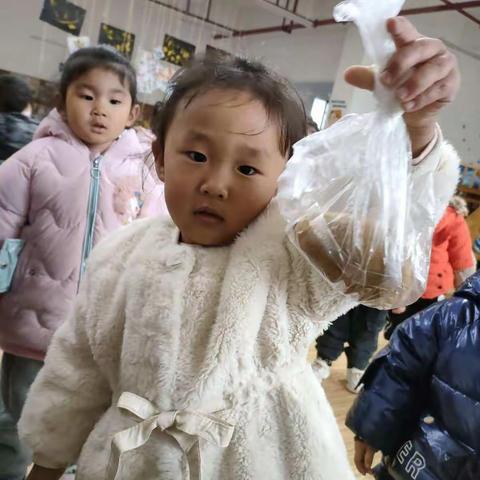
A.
pixel 254 17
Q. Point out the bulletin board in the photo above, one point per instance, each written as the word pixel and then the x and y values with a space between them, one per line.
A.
pixel 177 51
pixel 121 40
pixel 64 15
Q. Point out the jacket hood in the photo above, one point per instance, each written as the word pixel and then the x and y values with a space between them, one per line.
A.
pixel 53 125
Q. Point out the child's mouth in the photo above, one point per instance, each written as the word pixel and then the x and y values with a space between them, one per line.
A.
pixel 208 215
pixel 98 128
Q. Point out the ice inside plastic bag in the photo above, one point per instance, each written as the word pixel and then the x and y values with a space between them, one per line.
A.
pixel 346 191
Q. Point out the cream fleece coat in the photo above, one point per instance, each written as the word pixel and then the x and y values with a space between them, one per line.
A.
pixel 250 406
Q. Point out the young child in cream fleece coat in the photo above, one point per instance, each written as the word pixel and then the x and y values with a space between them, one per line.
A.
pixel 186 354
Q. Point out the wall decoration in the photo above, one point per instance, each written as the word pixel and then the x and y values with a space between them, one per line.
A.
pixel 153 72
pixel 64 15
pixel 76 43
pixel 215 51
pixel 337 111
pixel 121 40
pixel 165 72
pixel 177 51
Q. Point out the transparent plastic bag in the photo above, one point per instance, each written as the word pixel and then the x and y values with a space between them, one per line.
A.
pixel 346 192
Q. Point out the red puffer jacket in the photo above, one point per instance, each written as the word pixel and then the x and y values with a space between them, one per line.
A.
pixel 451 251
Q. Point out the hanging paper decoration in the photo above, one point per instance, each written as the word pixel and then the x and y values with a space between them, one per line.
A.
pixel 177 51
pixel 119 39
pixel 338 109
pixel 75 43
pixel 64 15
pixel 153 73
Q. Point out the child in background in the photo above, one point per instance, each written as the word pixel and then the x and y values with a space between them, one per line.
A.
pixel 420 402
pixel 359 328
pixel 186 354
pixel 451 262
pixel 80 179
pixel 16 126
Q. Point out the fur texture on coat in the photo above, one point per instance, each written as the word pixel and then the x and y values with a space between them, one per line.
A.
pixel 250 371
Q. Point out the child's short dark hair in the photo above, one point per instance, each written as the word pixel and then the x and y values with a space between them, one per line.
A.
pixel 86 59
pixel 279 98
pixel 15 94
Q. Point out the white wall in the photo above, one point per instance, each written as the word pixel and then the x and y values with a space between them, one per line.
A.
pixel 32 47
pixel 306 55
pixel 461 120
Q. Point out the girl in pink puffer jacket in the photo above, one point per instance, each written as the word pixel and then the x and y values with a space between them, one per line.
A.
pixel 81 178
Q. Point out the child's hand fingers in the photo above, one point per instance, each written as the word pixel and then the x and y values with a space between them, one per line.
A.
pixel 425 76
pixel 423 71
pixel 360 450
pixel 402 31
pixel 368 460
pixel 360 77
pixel 358 460
pixel 436 96
pixel 410 56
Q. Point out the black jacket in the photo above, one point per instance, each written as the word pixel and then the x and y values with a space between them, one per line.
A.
pixel 16 130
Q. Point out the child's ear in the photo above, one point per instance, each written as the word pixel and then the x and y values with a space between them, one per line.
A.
pixel 157 151
pixel 134 114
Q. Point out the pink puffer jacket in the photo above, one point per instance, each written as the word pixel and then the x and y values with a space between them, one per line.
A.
pixel 44 198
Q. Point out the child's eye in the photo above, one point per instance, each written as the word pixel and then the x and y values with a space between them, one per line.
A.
pixel 247 170
pixel 115 102
pixel 86 97
pixel 197 157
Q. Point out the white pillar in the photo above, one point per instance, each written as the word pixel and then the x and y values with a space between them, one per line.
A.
pixel 356 100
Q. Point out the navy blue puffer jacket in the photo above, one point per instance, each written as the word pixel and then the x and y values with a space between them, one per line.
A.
pixel 421 402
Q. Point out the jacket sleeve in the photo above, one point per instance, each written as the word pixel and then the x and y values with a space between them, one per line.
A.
pixel 460 246
pixel 443 160
pixel 68 396
pixel 15 174
pixel 396 382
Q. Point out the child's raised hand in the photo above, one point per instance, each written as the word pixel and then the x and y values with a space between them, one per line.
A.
pixel 363 457
pixel 423 73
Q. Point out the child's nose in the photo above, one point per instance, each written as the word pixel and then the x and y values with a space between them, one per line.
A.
pixel 99 110
pixel 215 188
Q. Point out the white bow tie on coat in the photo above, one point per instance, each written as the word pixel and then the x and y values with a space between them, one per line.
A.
pixel 187 427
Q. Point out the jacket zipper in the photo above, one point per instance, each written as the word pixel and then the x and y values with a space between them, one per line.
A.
pixel 93 195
